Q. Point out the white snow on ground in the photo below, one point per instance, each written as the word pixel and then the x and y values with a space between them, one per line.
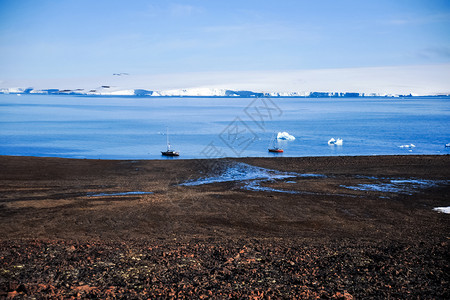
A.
pixel 194 92
pixel 382 81
pixel 13 90
pixel 445 210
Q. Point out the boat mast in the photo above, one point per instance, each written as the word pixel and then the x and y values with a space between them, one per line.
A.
pixel 167 138
pixel 271 141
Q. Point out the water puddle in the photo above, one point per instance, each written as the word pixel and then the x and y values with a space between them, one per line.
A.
pixel 401 186
pixel 256 186
pixel 243 172
pixel 252 177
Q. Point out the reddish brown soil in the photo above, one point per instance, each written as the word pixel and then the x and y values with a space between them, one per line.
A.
pixel 219 240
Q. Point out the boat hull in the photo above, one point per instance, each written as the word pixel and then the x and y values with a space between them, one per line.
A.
pixel 276 150
pixel 170 153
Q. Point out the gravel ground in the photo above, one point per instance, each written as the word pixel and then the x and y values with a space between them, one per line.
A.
pixel 128 229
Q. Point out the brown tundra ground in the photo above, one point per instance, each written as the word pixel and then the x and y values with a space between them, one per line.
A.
pixel 317 227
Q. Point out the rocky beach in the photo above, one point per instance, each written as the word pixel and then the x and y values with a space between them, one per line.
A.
pixel 311 227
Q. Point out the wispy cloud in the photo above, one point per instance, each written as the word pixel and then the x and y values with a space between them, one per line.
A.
pixel 418 19
pixel 435 52
pixel 171 10
pixel 266 31
pixel 183 10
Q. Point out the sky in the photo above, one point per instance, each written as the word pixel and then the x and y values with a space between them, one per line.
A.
pixel 84 38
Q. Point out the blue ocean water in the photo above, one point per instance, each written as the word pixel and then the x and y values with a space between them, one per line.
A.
pixel 134 128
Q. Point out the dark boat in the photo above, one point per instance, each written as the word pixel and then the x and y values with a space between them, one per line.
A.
pixel 169 152
pixel 273 148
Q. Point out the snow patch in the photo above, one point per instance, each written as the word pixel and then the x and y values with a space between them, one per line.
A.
pixel 393 81
pixel 445 210
pixel 194 92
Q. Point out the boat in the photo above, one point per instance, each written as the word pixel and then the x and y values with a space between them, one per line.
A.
pixel 276 150
pixel 169 151
pixel 273 148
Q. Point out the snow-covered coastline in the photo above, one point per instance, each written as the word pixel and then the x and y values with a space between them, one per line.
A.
pixel 425 80
pixel 198 92
pixel 195 92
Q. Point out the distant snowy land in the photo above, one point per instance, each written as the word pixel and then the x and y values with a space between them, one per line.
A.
pixel 427 80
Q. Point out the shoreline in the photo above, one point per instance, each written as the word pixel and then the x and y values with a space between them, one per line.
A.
pixel 163 158
pixel 316 95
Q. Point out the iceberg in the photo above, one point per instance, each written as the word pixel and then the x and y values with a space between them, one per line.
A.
pixel 407 146
pixel 337 142
pixel 285 136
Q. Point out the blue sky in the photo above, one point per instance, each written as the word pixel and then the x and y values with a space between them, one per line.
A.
pixel 81 38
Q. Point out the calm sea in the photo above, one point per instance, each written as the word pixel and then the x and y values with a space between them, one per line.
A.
pixel 135 128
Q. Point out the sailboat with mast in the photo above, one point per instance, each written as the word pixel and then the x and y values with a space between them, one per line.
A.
pixel 169 151
pixel 274 148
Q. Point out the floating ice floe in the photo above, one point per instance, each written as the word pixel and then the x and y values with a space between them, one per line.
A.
pixel 407 146
pixel 447 145
pixel 337 142
pixel 445 210
pixel 285 136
